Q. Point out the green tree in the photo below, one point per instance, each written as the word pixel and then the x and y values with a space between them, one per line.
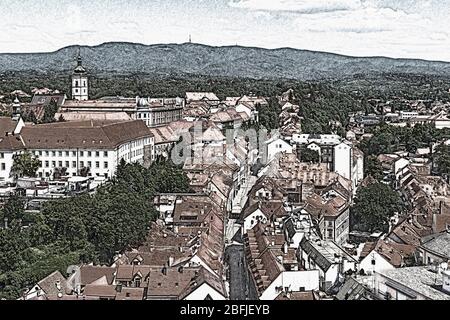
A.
pixel 373 167
pixel 30 117
pixel 268 114
pixel 13 209
pixel 49 112
pixel 441 159
pixel 25 165
pixel 308 155
pixel 373 207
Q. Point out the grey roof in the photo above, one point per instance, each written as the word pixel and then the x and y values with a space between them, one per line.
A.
pixel 418 280
pixel 49 283
pixel 438 243
pixel 353 290
pixel 324 253
pixel 45 99
pixel 289 225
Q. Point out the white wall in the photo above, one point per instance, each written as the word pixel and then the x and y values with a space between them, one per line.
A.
pixel 19 126
pixel 399 165
pixel 201 292
pixel 380 263
pixel 357 172
pixel 107 159
pixel 80 91
pixel 296 239
pixel 446 281
pixel 34 292
pixel 6 158
pixel 243 108
pixel 248 224
pixel 343 160
pixel 294 280
pixel 441 124
pixel 325 139
pixel 196 260
pixel 277 146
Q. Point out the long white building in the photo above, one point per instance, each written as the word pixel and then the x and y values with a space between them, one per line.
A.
pixel 95 147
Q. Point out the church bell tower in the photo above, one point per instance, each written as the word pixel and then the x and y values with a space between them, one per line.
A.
pixel 80 86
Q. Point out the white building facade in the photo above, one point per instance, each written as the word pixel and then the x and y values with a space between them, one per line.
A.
pixel 91 148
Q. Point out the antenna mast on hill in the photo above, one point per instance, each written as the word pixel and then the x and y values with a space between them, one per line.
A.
pixel 190 39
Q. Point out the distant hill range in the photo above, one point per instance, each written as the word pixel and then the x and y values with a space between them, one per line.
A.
pixel 235 61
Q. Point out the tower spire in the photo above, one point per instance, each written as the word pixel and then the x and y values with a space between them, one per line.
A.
pixel 79 60
pixel 80 80
pixel 16 109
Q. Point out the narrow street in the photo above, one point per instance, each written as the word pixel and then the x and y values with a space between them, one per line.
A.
pixel 240 284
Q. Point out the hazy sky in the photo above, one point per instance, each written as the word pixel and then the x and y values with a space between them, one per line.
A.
pixel 395 28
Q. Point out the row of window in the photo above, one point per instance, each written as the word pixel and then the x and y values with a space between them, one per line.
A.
pixel 74 164
pixel 67 153
pixel 47 174
pixel 77 83
pixel 131 145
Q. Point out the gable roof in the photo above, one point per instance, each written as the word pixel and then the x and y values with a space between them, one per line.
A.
pixel 85 134
pixel 90 274
pixel 201 277
pixel 108 291
pixel 268 208
pixel 296 295
pixel 127 293
pixel 437 243
pixel 170 282
pixel 353 290
pixel 11 143
pixel 323 253
pixel 394 253
pixel 49 283
pixel 7 125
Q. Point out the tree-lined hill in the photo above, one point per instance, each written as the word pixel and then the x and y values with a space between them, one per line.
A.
pixel 230 61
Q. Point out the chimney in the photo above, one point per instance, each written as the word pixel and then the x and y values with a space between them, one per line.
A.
pixel 6 223
pixel 171 260
pixel 58 285
pixel 285 248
